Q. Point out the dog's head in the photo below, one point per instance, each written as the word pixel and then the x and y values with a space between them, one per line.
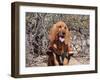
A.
pixel 59 31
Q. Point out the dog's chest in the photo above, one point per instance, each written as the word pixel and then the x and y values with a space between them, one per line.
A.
pixel 60 46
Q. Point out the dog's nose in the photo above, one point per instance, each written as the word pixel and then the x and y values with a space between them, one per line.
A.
pixel 63 33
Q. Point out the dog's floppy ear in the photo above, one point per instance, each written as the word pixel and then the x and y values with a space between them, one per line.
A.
pixel 53 33
pixel 67 36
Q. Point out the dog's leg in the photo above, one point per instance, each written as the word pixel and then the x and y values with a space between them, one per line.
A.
pixel 55 60
pixel 65 62
pixel 50 58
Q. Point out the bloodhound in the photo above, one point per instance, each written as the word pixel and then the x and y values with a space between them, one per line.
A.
pixel 60 44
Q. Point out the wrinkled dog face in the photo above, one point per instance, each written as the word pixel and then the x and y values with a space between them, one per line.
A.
pixel 59 37
pixel 61 33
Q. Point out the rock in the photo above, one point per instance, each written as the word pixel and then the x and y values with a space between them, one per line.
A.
pixel 81 30
pixel 79 42
pixel 29 57
pixel 83 42
pixel 73 61
pixel 82 37
pixel 40 61
pixel 74 37
pixel 87 51
pixel 79 49
pixel 88 42
pixel 77 46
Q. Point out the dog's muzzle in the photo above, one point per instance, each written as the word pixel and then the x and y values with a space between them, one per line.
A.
pixel 61 36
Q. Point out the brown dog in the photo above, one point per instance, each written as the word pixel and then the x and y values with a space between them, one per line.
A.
pixel 59 47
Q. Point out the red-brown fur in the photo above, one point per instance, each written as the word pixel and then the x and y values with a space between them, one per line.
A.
pixel 59 27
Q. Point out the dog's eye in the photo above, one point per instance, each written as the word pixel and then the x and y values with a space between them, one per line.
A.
pixel 65 27
pixel 63 33
pixel 59 26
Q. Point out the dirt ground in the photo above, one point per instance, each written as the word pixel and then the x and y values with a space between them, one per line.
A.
pixel 41 61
